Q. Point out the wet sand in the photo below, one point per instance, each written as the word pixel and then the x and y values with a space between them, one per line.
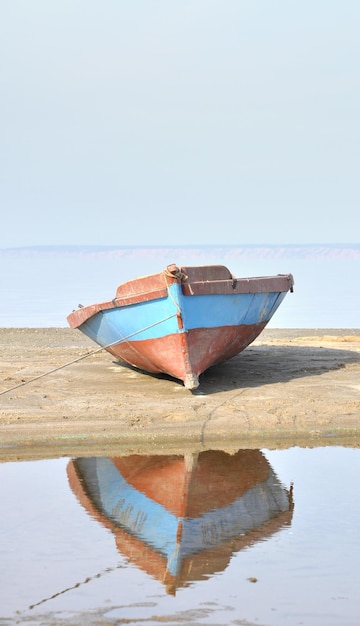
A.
pixel 290 387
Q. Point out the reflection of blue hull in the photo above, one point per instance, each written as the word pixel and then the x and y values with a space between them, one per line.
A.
pixel 175 537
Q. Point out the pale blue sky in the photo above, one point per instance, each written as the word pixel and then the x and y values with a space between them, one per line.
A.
pixel 168 122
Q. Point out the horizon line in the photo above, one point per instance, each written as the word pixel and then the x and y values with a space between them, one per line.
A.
pixel 179 245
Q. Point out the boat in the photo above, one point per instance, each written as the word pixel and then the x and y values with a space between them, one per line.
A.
pixel 181 517
pixel 183 320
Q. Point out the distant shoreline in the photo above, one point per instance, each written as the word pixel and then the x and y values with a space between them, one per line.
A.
pixel 329 251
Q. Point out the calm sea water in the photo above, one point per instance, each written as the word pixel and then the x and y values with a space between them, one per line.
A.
pixel 40 286
pixel 61 563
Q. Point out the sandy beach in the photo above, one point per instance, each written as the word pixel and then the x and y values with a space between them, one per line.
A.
pixel 290 387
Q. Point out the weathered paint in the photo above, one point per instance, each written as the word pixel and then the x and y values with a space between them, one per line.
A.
pixel 168 512
pixel 182 321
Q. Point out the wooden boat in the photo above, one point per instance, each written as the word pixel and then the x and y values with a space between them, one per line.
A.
pixel 180 518
pixel 183 320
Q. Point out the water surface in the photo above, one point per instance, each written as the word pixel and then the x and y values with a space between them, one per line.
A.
pixel 41 286
pixel 272 539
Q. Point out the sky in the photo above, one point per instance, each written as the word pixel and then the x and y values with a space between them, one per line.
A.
pixel 178 123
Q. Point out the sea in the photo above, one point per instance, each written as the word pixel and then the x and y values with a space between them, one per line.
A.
pixel 41 285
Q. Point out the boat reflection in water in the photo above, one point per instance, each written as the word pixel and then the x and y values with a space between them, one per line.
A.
pixel 180 518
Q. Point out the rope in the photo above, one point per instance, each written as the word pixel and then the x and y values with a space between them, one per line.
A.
pixel 175 273
pixel 89 579
pixel 85 356
pixel 179 276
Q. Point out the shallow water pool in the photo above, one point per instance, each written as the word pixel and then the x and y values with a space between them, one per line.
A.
pixel 247 537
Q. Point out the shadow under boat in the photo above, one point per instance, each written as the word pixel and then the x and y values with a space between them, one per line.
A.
pixel 181 517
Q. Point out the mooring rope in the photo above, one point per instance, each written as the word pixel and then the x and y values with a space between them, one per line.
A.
pixel 89 579
pixel 85 356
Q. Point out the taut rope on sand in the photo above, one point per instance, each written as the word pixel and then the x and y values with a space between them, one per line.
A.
pixel 84 356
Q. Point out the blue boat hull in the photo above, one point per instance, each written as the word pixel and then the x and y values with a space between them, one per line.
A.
pixel 182 328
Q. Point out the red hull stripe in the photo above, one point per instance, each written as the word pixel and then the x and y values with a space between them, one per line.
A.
pixel 186 354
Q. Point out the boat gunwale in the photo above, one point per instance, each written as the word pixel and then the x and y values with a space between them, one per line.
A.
pixel 233 286
pixel 256 284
